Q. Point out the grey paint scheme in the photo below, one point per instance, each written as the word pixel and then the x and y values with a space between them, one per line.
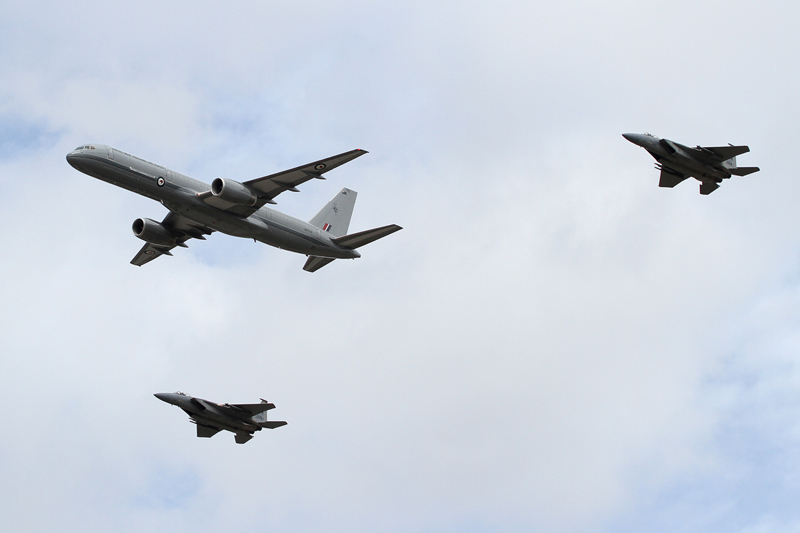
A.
pixel 238 209
pixel 211 418
pixel 709 165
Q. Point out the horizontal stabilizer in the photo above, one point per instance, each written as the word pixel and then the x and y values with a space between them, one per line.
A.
pixel 315 262
pixel 356 240
pixel 242 437
pixel 272 424
pixel 743 171
pixel 207 431
pixel 670 178
pixel 707 187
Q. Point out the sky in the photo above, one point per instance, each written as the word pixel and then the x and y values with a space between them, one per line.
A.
pixel 552 343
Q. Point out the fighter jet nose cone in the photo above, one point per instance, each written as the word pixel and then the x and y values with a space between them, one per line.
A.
pixel 628 136
pixel 161 396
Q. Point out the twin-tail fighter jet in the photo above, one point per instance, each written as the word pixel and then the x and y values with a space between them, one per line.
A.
pixel 239 209
pixel 708 165
pixel 243 419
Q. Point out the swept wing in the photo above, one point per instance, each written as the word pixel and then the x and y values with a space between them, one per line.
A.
pixel 269 187
pixel 247 409
pixel 183 229
pixel 713 154
pixel 670 177
pixel 315 262
pixel 725 152
pixel 352 241
pixel 357 240
pixel 206 431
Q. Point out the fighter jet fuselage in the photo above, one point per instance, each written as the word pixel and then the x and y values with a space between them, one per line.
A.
pixel 198 209
pixel 709 165
pixel 211 418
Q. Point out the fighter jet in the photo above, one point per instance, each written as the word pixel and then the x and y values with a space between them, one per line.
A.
pixel 239 209
pixel 708 165
pixel 242 419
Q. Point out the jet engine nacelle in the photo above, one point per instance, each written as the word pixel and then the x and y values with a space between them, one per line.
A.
pixel 153 232
pixel 233 192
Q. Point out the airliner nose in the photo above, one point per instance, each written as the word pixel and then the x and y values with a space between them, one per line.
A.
pixel 73 157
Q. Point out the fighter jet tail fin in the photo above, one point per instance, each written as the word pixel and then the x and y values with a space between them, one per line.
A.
pixel 242 437
pixel 335 216
pixel 743 171
pixel 707 187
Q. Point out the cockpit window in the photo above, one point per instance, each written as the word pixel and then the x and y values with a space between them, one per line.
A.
pixel 84 147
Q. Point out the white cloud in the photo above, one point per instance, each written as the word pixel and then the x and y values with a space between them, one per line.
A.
pixel 552 342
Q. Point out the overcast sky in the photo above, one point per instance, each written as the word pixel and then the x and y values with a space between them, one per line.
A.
pixel 552 343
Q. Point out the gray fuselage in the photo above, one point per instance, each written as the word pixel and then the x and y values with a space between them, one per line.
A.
pixel 179 193
pixel 679 157
pixel 206 412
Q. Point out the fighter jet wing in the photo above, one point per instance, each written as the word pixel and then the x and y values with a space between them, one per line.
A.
pixel 249 409
pixel 183 229
pixel 207 431
pixel 726 152
pixel 670 178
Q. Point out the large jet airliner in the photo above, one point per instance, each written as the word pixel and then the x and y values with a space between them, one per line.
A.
pixel 238 209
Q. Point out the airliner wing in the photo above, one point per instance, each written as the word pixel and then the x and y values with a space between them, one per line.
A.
pixel 269 187
pixel 183 229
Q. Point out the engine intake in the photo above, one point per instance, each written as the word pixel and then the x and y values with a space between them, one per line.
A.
pixel 233 192
pixel 153 232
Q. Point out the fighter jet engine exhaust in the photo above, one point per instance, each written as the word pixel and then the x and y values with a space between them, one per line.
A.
pixel 233 192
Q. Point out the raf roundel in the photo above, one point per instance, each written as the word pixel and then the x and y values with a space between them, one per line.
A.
pixel 320 166
pixel 160 181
